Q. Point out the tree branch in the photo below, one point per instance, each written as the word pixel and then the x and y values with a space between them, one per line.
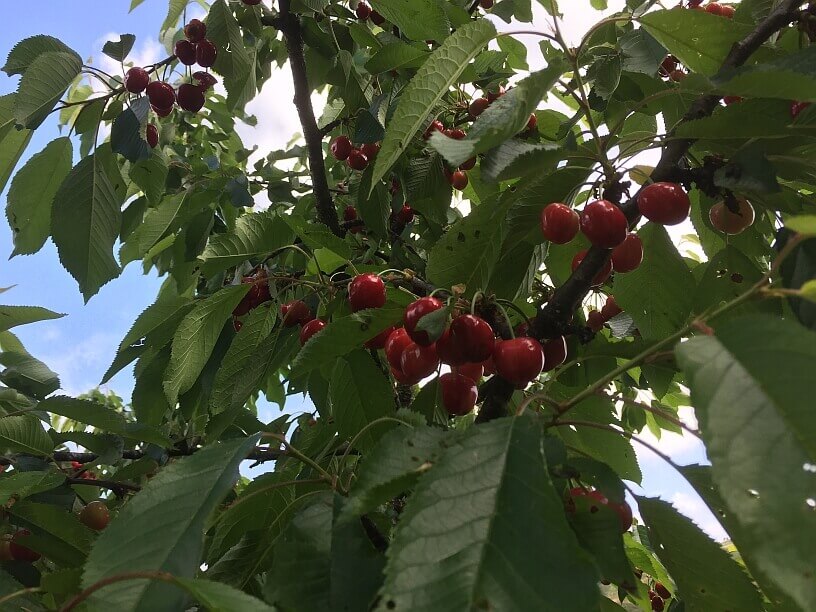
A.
pixel 257 454
pixel 119 488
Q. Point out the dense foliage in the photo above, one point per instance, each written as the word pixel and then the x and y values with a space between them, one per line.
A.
pixel 452 217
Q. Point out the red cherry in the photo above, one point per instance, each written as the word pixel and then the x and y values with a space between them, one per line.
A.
pixel 668 65
pixel 664 203
pixel 237 324
pixel 459 394
pixel 152 135
pixel 405 215
pixel 195 30
pixel 601 277
pixel 532 122
pixel 677 75
pixel 729 100
pixel 341 147
pixel 76 465
pixel 459 180
pixel 610 309
pixel 436 126
pixel 419 362
pixel 623 510
pixel 295 313
pixel 95 515
pixel 190 97
pixel 477 107
pixel 205 80
pixel 604 224
pixel 161 112
pixel 492 96
pixel 366 291
pixel 378 341
pixel 559 223
pixel 20 552
pixel 206 52
pixel 395 346
pixel 714 8
pixel 795 109
pixel 555 353
pixel 370 150
pixel 732 223
pixel 661 590
pixel 473 371
pixel 349 213
pixel 449 351
pixel 310 329
pixel 161 94
pixel 136 80
pixel 402 378
pixel 519 361
pixel 657 602
pixel 185 51
pixel 486 4
pixel 395 186
pixel 376 18
pixel 474 336
pixel 469 164
pixel 363 11
pixel 415 311
pixel 595 321
pixel 457 134
pixel 628 255
pixel 357 160
pixel 489 366
pixel 522 329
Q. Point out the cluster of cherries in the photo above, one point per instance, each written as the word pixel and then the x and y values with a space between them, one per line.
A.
pixel 658 596
pixel 403 216
pixel 596 319
pixel 457 177
pixel 342 149
pixel 715 8
pixel 364 12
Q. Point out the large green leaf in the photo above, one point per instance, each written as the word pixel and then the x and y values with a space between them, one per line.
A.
pixel 86 219
pixel 516 158
pixel 426 89
pixel 219 597
pixel 156 223
pixel 417 19
pixel 706 576
pixel 485 526
pixel 360 394
pixel 43 84
pixel 28 374
pixel 32 192
pixel 12 316
pixel 22 599
pixel 154 320
pixel 235 61
pixel 790 77
pixel 752 385
pixel 195 339
pixel 192 487
pixel 23 54
pixel 659 294
pixel 254 235
pixel 23 484
pixel 12 141
pixel 151 175
pixel 62 528
pixel 25 434
pixel 394 55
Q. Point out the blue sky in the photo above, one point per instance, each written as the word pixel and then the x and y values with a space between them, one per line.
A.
pixel 80 346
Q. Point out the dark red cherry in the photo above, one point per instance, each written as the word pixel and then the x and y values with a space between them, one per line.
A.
pixel 20 552
pixel 195 30
pixel 459 180
pixel 595 321
pixel 519 361
pixel 555 353
pixel 205 79
pixel 473 371
pixel 363 11
pixel 378 341
pixel 349 213
pixel 310 329
pixel 474 336
pixel 370 150
pixel 415 311
pixel 459 393
pixel 161 94
pixel 185 51
pixel 395 346
pixel 628 255
pixel 366 291
pixel 664 203
pixel 559 223
pixel 136 80
pixel 341 147
pixel 449 351
pixel 477 107
pixel 152 135
pixel 295 313
pixel 357 160
pixel 468 164
pixel 190 97
pixel 405 214
pixel 419 362
pixel 610 309
pixel 436 126
pixel 206 53
pixel 604 224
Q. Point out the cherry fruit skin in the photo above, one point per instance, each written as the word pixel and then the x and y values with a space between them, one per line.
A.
pixel 161 94
pixel 185 51
pixel 474 336
pixel 795 109
pixel 732 223
pixel 622 509
pixel 664 203
pixel 661 590
pixel 459 180
pixel 559 223
pixel 459 393
pixel 610 309
pixel 205 80
pixel 657 604
pixel 595 321
pixel 418 361
pixel 468 164
pixel 195 30
pixel 349 213
pixel 519 361
pixel 415 311
pixel 376 18
pixel 601 277
pixel 160 111
pixel 604 224
pixel 555 353
pixel 341 148
pixel 95 515
pixel 436 126
pixel 310 329
pixel 402 378
pixel 628 255
pixel 152 135
pixel 206 53
pixel 473 371
pixel 366 291
pixel 714 8
pixel 295 313
pixel 363 11
pixel 457 134
pixel 357 160
pixel 406 214
pixel 532 122
pixel 449 350
pixel 20 552
pixel 378 341
pixel 136 80
pixel 486 4
pixel 190 97
pixel 370 150
pixel 395 346
pixel 477 107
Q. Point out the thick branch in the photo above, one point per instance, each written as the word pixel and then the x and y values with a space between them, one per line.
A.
pixel 553 318
pixel 119 488
pixel 257 454
pixel 289 24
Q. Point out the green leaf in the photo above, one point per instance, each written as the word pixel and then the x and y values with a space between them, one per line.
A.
pixel 605 73
pixel 126 132
pixel 751 385
pixel 103 418
pixel 396 55
pixel 12 316
pixel 32 193
pixel 343 335
pixel 196 337
pixel 12 141
pixel 728 275
pixel 25 433
pixel 417 19
pixel 705 50
pixel 789 77
pixel 374 204
pixel 505 538
pixel 150 175
pixel 219 597
pixel 164 313
pixel 175 9
pixel 803 224
pixel 658 295
pixel 27 374
pixel 55 523
pixel 156 224
pixel 23 54
pixel 426 89
pixel 748 170
pixel 86 219
pixel 255 235
pixel 516 158
pixel 235 62
pixel 502 120
pixel 119 50
pixel 22 600
pixel 43 84
pixel 360 394
pixel 193 487
pixel 707 577
pixel 24 484
pixel 748 119
pixel 318 236
pixel 641 52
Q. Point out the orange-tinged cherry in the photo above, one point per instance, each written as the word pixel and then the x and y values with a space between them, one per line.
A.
pixel 732 223
pixel 95 515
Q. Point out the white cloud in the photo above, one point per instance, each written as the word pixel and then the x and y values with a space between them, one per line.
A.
pixel 78 365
